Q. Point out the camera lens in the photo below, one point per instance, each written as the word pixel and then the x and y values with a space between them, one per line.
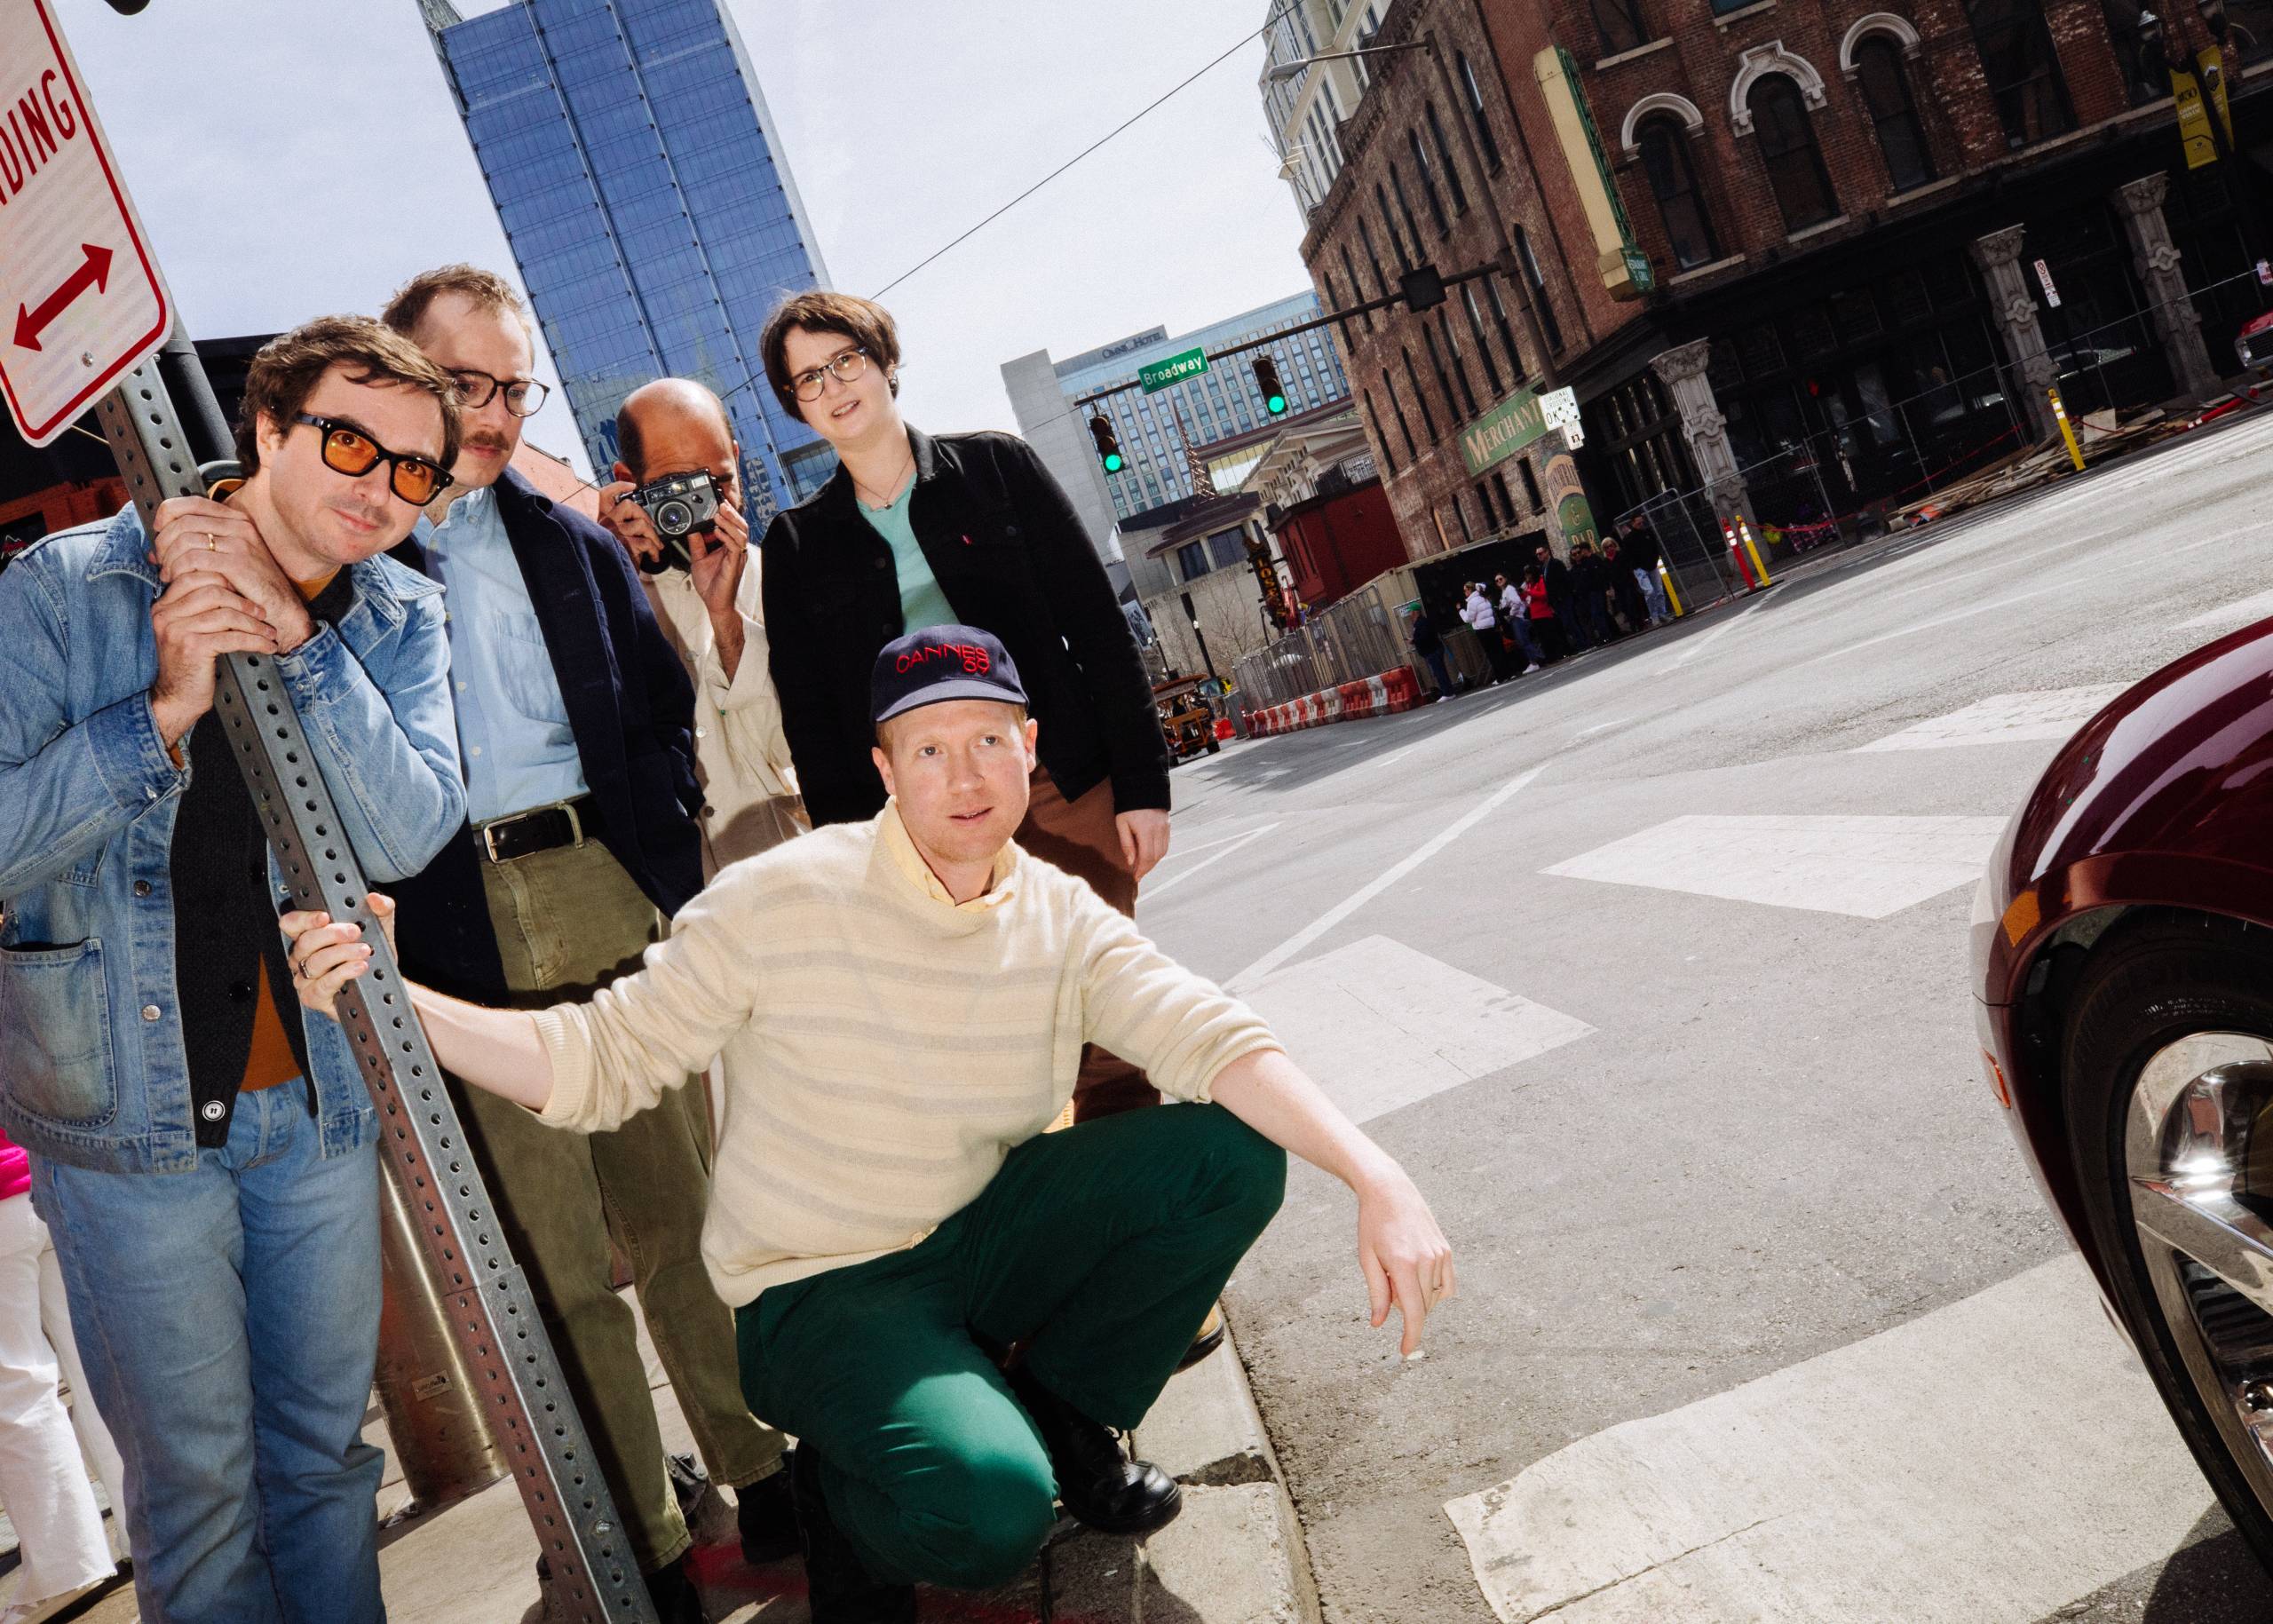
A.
pixel 674 517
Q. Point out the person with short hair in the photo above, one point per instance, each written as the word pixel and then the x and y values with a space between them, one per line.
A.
pixel 1516 617
pixel 900 1003
pixel 1476 609
pixel 205 1161
pixel 1429 644
pixel 709 605
pixel 1642 552
pixel 579 841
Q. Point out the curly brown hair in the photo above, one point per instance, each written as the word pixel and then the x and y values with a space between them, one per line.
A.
pixel 291 364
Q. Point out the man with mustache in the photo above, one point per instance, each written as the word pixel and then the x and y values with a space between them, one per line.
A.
pixel 576 722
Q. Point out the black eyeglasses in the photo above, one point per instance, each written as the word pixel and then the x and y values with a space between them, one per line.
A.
pixel 847 365
pixel 350 450
pixel 523 395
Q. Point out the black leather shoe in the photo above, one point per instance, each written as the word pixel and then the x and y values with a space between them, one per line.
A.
pixel 674 1595
pixel 842 1588
pixel 766 1513
pixel 1098 1483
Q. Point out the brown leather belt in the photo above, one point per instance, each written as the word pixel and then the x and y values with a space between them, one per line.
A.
pixel 525 834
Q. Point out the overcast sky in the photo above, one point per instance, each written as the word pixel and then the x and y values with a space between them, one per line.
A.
pixel 293 157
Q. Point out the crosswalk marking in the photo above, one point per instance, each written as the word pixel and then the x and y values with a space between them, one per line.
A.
pixel 1986 1464
pixel 1866 866
pixel 2004 719
pixel 1381 1025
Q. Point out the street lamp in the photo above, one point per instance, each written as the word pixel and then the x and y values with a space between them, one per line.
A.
pixel 1286 72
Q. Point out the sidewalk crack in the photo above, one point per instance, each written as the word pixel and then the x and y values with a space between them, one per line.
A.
pixel 1666 1562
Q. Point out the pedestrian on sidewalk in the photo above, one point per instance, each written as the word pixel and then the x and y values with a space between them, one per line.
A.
pixel 206 1163
pixel 578 842
pixel 1555 575
pixel 1643 551
pixel 1476 609
pixel 61 1543
pixel 1590 587
pixel 1515 617
pixel 1546 625
pixel 909 997
pixel 1421 630
pixel 916 530
pixel 1625 588
pixel 709 606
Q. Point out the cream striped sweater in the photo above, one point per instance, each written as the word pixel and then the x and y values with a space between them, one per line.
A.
pixel 884 1048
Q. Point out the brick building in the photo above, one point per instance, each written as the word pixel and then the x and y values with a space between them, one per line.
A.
pixel 1837 207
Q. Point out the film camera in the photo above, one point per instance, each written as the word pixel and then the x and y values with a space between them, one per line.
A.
pixel 678 505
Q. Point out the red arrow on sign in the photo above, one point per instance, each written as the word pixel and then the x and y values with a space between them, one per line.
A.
pixel 93 271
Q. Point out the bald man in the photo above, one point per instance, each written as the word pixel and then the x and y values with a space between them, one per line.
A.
pixel 711 613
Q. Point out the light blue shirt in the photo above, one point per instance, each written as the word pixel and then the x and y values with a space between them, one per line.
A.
pixel 513 727
pixel 921 603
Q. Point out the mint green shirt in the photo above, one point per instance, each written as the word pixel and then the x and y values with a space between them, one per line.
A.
pixel 921 603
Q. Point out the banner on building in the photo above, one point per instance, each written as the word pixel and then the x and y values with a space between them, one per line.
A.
pixel 1624 267
pixel 1502 431
pixel 2193 107
pixel 1566 494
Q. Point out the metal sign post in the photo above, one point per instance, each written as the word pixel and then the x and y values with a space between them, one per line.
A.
pixel 492 1311
pixel 88 309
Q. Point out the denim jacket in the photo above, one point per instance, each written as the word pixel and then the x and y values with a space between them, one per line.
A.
pixel 92 1072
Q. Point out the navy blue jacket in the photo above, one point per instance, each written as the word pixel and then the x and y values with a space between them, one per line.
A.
pixel 632 708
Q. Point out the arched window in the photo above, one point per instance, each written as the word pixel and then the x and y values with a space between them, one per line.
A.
pixel 2022 68
pixel 1886 92
pixel 1795 171
pixel 1475 96
pixel 1664 146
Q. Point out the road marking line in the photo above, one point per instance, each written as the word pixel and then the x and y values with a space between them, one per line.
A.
pixel 1380 1026
pixel 1366 893
pixel 1589 732
pixel 1152 891
pixel 1989 1461
pixel 2003 718
pixel 1867 866
pixel 1407 750
pixel 1698 645
pixel 1185 850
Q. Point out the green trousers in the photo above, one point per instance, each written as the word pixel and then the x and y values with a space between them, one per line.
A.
pixel 569 921
pixel 1101 1248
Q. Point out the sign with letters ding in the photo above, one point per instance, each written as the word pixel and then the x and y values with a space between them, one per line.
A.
pixel 80 302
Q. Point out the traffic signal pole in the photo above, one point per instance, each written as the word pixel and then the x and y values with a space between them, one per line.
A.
pixel 492 1313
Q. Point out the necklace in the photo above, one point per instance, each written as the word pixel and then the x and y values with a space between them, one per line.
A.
pixel 884 502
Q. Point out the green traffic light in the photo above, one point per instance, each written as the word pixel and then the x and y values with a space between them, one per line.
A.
pixel 1112 461
pixel 1276 404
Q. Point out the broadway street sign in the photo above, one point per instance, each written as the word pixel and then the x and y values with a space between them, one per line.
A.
pixel 1174 370
pixel 1502 431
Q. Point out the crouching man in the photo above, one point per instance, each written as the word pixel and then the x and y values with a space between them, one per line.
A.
pixel 901 1005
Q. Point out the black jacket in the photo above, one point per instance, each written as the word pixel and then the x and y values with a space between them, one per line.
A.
pixel 1012 557
pixel 1639 548
pixel 632 708
pixel 1557 574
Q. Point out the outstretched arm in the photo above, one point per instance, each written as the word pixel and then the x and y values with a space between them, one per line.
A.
pixel 1406 1258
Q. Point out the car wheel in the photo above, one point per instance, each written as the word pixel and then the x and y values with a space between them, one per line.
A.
pixel 2169 1087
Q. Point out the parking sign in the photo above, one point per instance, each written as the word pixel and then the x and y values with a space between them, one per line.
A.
pixel 80 302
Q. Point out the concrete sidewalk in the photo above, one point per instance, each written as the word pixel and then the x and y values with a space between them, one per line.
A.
pixel 1234 1557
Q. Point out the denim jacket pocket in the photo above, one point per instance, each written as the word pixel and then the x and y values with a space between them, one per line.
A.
pixel 55 1040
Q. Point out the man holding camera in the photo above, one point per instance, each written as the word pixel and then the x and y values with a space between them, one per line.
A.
pixel 575 718
pixel 675 505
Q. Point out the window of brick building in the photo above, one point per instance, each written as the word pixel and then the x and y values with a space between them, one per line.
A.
pixel 1460 366
pixel 1507 501
pixel 1475 95
pixel 1530 484
pixel 1794 163
pixel 1389 224
pixel 1428 183
pixel 1507 329
pixel 1404 424
pixel 1548 325
pixel 2022 68
pixel 1894 113
pixel 1482 347
pixel 1380 432
pixel 1445 157
pixel 1405 209
pixel 1673 182
pixel 1358 293
pixel 1421 397
pixel 1618 22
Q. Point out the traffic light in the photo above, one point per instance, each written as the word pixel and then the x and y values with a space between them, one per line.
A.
pixel 1108 444
pixel 1266 379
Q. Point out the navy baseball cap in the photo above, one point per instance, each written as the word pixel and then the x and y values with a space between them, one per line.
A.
pixel 939 663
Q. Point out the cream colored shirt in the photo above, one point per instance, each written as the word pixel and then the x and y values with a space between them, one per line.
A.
pixel 741 756
pixel 884 1047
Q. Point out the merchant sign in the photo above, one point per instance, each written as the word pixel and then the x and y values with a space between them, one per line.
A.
pixel 1503 431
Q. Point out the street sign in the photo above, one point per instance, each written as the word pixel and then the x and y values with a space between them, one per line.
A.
pixel 80 302
pixel 1502 431
pixel 1174 370
pixel 2051 293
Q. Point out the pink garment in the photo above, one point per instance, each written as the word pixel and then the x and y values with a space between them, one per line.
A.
pixel 15 1170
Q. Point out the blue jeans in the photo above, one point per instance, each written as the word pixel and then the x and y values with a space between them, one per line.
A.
pixel 228 1319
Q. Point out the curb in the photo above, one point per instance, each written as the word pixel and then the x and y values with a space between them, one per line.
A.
pixel 1235 1555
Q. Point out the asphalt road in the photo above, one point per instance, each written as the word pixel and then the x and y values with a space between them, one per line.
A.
pixel 1760 1315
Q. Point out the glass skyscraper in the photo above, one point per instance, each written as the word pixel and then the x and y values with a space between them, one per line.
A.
pixel 633 165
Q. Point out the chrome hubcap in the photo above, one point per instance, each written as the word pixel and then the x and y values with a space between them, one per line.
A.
pixel 2199 1151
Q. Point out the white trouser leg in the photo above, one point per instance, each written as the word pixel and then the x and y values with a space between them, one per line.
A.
pixel 43 1481
pixel 94 1437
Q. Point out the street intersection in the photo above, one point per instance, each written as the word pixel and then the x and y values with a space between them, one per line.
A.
pixel 1653 970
